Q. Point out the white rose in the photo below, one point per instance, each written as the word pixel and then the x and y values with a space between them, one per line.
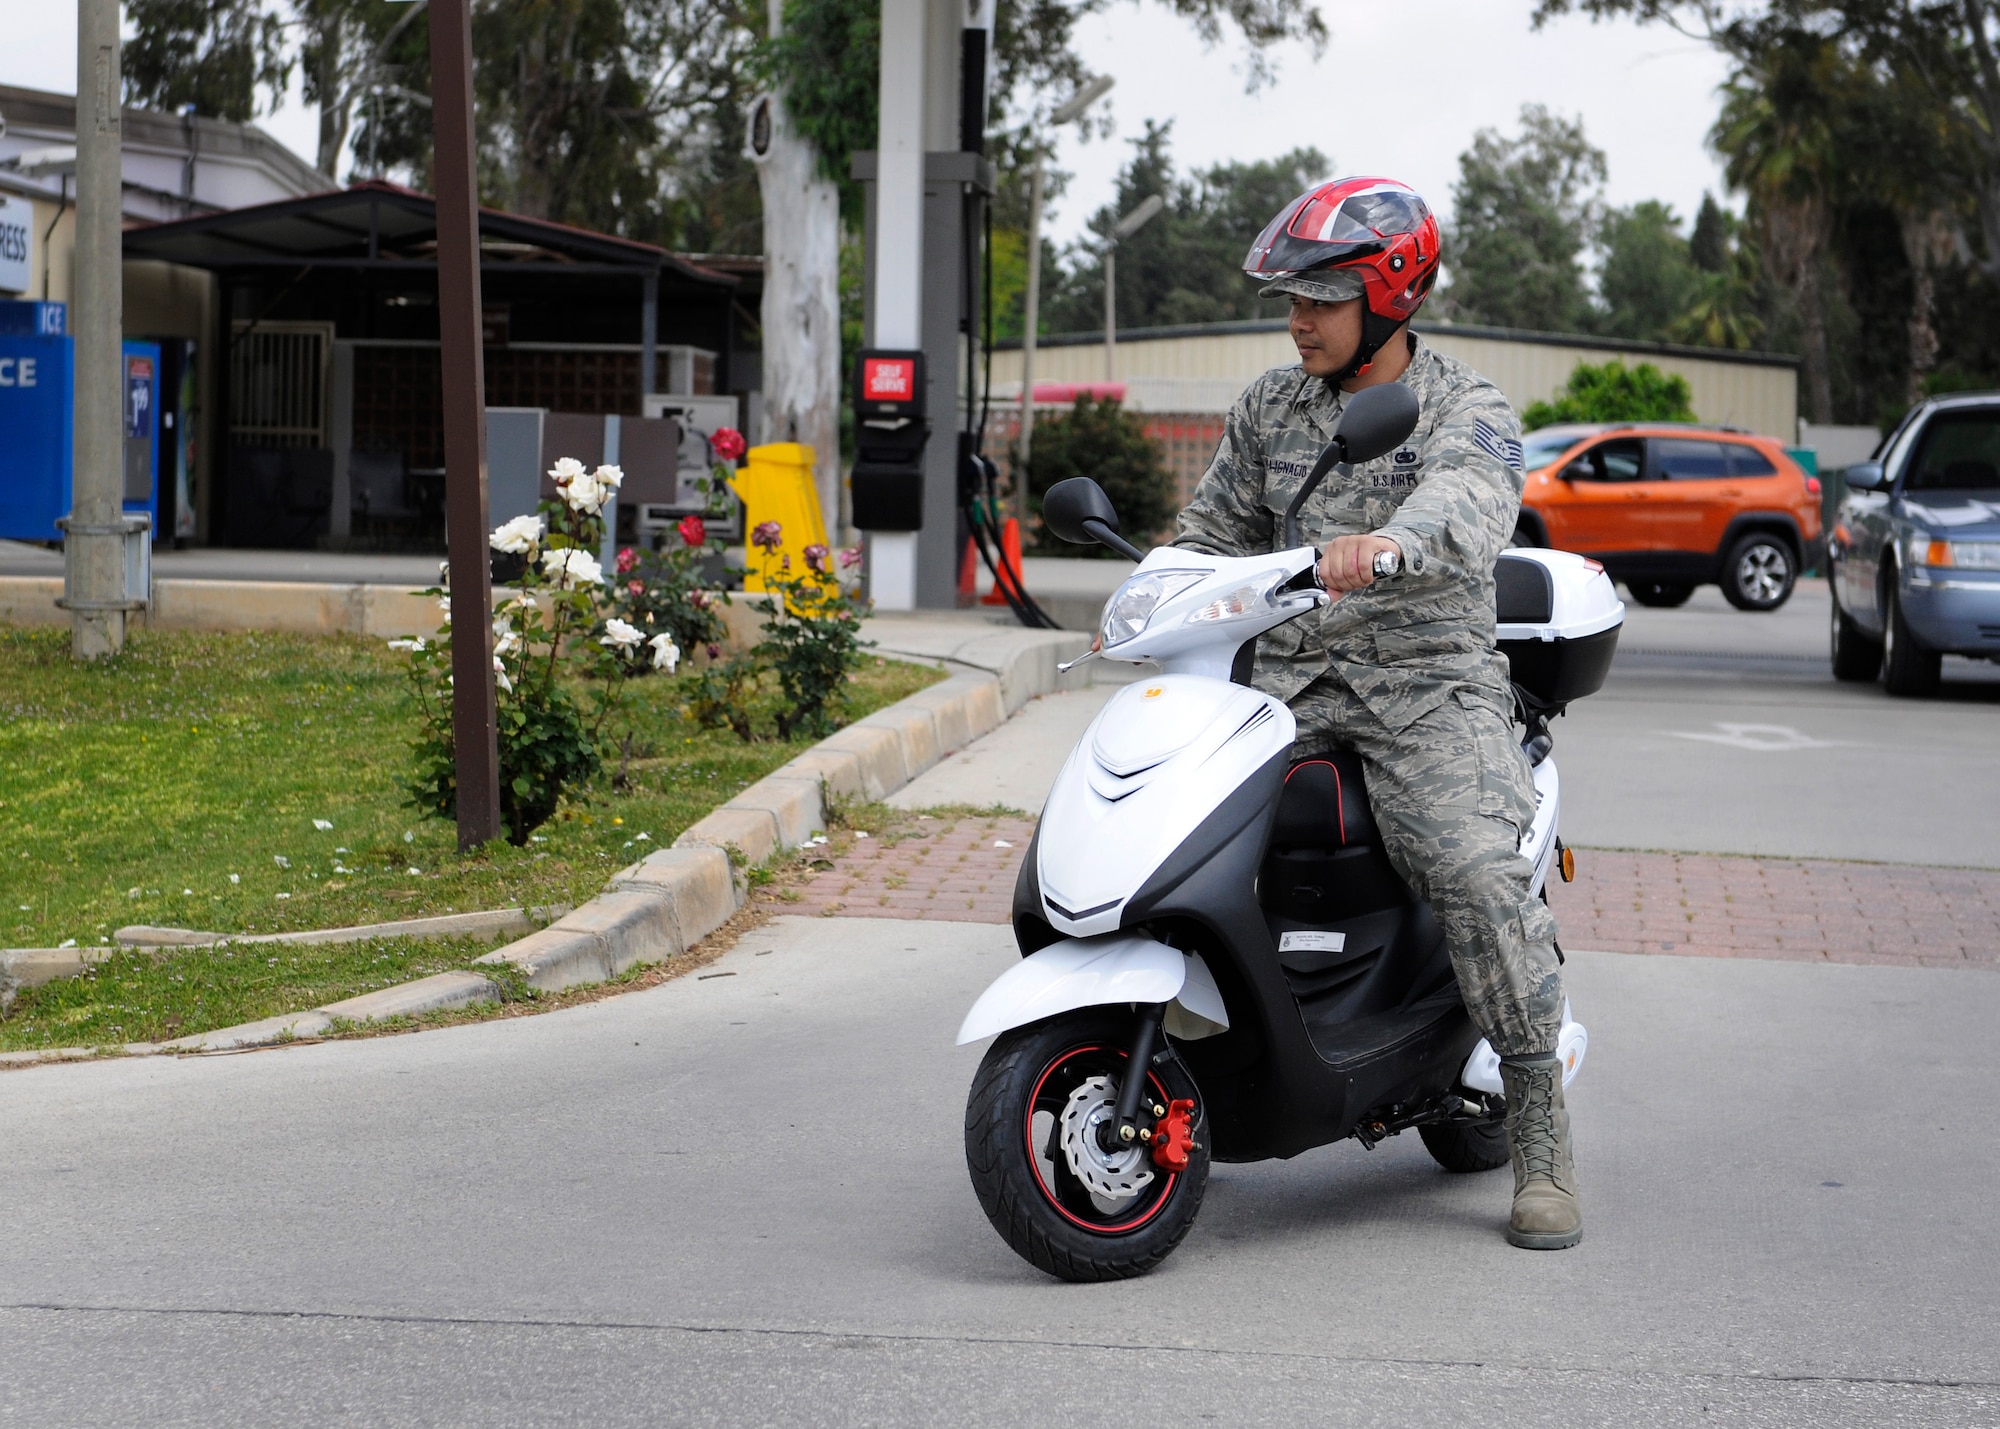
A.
pixel 585 495
pixel 413 643
pixel 620 636
pixel 517 537
pixel 566 470
pixel 507 644
pixel 666 654
pixel 572 567
pixel 609 477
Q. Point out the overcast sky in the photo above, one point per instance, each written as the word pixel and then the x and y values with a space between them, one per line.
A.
pixel 1400 91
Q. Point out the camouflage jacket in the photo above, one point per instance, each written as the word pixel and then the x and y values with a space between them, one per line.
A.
pixel 1449 497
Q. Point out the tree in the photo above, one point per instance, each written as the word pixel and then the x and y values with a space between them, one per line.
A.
pixel 1524 209
pixel 1614 393
pixel 1103 441
pixel 210 56
pixel 1648 279
pixel 1708 244
pixel 1186 266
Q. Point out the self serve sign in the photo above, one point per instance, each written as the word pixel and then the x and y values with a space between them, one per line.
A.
pixel 16 223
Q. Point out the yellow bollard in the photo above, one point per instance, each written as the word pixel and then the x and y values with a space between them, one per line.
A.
pixel 777 485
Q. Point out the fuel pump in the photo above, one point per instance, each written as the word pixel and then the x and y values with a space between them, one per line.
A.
pixel 918 493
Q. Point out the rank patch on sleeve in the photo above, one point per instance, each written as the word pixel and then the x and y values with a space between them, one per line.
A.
pixel 1493 444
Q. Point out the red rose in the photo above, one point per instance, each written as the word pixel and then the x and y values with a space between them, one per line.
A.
pixel 627 559
pixel 728 444
pixel 693 530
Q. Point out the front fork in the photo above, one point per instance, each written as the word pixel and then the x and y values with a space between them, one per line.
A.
pixel 1136 1117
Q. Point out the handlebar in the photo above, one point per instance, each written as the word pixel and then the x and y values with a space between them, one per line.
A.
pixel 1387 565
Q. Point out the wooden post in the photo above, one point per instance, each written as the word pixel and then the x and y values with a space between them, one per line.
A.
pixel 464 371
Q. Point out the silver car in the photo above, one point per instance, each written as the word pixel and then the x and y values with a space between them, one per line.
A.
pixel 1915 551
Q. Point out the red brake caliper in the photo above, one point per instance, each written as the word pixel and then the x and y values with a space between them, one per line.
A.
pixel 1173 1135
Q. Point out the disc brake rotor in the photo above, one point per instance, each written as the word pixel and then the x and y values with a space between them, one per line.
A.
pixel 1111 1176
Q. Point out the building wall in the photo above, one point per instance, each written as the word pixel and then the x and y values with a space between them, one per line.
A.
pixel 1190 370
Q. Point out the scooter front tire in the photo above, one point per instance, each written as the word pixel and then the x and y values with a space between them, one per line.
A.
pixel 1021 1175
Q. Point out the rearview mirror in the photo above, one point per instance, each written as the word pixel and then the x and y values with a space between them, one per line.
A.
pixel 1068 504
pixel 1376 422
pixel 1578 470
pixel 1866 476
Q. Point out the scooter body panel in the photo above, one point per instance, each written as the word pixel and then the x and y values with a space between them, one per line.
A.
pixel 1153 765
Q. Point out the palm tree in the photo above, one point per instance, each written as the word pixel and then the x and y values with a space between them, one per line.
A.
pixel 1777 138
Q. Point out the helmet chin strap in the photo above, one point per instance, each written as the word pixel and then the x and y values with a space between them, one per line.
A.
pixel 1375 331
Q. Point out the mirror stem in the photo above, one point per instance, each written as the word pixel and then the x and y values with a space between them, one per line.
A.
pixel 1105 536
pixel 1328 459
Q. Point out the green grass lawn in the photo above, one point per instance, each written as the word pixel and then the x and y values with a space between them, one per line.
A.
pixel 155 997
pixel 184 783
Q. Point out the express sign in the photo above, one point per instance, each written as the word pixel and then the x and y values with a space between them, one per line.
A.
pixel 17 217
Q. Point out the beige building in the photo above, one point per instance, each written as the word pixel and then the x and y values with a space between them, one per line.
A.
pixel 1202 369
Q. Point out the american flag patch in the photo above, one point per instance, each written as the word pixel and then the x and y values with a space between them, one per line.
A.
pixel 1493 444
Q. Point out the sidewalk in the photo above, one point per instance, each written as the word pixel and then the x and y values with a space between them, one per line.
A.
pixel 963 868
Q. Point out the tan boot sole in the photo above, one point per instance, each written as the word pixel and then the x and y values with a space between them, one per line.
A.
pixel 1544 1240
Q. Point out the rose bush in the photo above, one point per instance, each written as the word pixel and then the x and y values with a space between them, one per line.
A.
pixel 542 655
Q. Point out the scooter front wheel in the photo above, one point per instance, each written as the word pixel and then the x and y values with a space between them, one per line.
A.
pixel 1055 1195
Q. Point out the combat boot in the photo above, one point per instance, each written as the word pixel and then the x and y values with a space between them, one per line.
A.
pixel 1547 1214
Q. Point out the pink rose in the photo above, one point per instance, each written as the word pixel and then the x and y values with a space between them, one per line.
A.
pixel 627 559
pixel 636 587
pixel 851 557
pixel 728 444
pixel 815 555
pixel 769 534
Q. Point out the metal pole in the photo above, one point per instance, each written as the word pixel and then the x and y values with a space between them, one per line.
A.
pixel 1032 320
pixel 93 549
pixel 1111 311
pixel 463 362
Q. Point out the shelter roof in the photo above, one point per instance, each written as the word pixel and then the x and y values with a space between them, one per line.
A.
pixel 373 224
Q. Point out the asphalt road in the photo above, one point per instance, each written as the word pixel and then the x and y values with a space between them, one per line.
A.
pixel 742 1199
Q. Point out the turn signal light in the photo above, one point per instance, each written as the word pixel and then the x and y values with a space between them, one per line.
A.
pixel 1566 861
pixel 1812 486
pixel 1938 553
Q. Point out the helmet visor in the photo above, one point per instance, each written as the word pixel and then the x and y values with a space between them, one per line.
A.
pixel 1317 229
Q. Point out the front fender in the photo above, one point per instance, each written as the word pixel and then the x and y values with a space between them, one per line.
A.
pixel 1093 972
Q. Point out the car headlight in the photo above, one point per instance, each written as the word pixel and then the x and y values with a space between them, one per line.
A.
pixel 1922 550
pixel 1133 603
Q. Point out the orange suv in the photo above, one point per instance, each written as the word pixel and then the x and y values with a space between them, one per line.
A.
pixel 1667 507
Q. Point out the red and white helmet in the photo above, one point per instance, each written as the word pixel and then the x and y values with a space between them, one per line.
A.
pixel 1352 238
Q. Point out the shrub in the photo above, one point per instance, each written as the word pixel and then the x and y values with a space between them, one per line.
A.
pixel 665 591
pixel 1614 393
pixel 1103 441
pixel 549 635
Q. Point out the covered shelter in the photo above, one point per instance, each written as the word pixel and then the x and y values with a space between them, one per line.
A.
pixel 327 415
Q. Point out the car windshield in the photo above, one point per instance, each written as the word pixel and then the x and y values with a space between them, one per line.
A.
pixel 1960 452
pixel 1538 449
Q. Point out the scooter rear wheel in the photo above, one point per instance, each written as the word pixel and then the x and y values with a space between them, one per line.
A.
pixel 1460 1146
pixel 1037 1093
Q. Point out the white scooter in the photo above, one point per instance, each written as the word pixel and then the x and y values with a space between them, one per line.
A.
pixel 1198 906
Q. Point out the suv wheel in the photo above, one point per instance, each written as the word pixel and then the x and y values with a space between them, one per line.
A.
pixel 1663 594
pixel 1855 656
pixel 1759 572
pixel 1907 668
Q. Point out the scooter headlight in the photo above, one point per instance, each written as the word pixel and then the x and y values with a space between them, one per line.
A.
pixel 1133 603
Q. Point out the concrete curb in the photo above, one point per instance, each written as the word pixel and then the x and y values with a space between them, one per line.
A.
pixel 670 900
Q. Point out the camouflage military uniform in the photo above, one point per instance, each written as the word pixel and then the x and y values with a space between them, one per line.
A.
pixel 1405 672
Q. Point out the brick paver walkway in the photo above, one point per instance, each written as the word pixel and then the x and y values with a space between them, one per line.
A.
pixel 1810 910
pixel 961 870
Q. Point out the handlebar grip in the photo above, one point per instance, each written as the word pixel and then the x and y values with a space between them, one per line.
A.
pixel 1387 564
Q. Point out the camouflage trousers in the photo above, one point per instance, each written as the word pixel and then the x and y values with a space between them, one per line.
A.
pixel 1452 795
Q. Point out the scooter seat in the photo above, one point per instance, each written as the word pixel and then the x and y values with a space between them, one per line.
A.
pixel 1325 805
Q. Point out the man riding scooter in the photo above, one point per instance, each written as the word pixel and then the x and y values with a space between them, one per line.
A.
pixel 1406 674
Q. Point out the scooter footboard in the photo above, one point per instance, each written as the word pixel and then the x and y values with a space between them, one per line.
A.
pixel 1118 968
